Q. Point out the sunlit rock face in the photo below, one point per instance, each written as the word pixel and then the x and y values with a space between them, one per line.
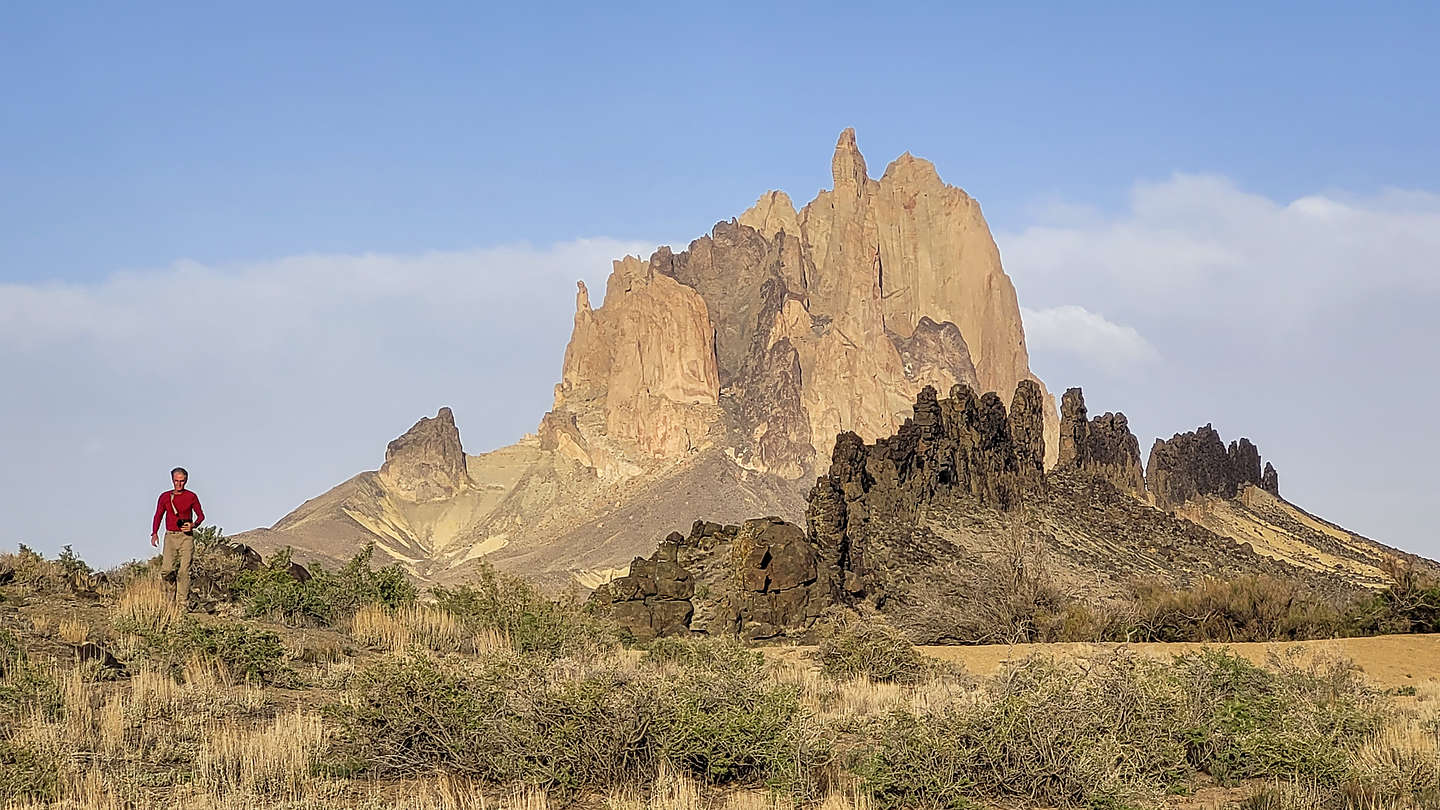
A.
pixel 715 379
pixel 801 325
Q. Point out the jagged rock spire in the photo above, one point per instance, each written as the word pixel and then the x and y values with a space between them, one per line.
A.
pixel 427 463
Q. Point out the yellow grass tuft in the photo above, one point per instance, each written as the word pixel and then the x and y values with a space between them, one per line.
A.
pixel 74 631
pixel 43 625
pixel 270 761
pixel 147 605
pixel 420 627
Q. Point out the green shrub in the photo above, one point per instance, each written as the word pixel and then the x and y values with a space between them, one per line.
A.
pixel 1120 731
pixel 1098 733
pixel 871 648
pixel 730 726
pixel 27 775
pixel 531 621
pixel 1296 721
pixel 725 654
pixel 327 597
pixel 1410 605
pixel 498 719
pixel 244 651
pixel 511 717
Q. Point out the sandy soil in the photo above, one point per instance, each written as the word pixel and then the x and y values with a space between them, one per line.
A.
pixel 1390 661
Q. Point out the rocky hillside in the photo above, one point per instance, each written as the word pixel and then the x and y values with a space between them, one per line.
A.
pixel 713 381
pixel 957 503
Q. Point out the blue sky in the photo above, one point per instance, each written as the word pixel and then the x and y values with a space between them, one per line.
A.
pixel 323 221
pixel 136 134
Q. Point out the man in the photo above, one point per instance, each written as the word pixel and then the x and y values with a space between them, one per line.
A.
pixel 177 506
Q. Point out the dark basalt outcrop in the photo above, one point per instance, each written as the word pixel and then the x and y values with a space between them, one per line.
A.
pixel 1103 446
pixel 1195 464
pixel 953 511
pixel 1270 480
pixel 761 579
pixel 769 578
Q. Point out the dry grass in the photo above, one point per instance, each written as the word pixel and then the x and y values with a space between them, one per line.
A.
pixel 420 627
pixel 43 626
pixel 74 631
pixel 146 605
pixel 273 760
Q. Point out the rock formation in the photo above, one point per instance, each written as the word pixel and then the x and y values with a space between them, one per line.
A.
pixel 1195 464
pixel 800 325
pixel 714 380
pixel 721 374
pixel 645 361
pixel 1270 480
pixel 427 463
pixel 759 580
pixel 1103 446
pixel 956 503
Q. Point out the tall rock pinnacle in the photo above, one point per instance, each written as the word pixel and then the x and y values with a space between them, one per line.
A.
pixel 799 326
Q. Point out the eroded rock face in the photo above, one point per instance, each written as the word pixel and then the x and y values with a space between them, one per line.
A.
pixel 427 463
pixel 646 361
pixel 1103 447
pixel 1113 453
pixel 761 579
pixel 799 325
pixel 1195 464
pixel 906 247
pixel 1027 430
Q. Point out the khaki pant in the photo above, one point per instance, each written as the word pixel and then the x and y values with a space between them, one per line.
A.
pixel 179 547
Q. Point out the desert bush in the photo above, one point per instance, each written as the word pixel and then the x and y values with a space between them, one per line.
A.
pixel 531 621
pixel 869 647
pixel 499 719
pixel 1101 732
pixel 513 718
pixel 32 569
pixel 1410 605
pixel 1246 608
pixel 1117 731
pixel 27 774
pixel 327 597
pixel 243 651
pixel 1304 719
pixel 724 653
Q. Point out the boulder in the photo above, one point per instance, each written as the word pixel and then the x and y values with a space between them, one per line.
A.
pixel 90 651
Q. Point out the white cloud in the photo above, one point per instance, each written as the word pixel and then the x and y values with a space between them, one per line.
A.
pixel 1088 338
pixel 1306 324
pixel 271 381
pixel 1201 240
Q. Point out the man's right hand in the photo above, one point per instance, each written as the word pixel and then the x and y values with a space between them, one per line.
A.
pixel 155 540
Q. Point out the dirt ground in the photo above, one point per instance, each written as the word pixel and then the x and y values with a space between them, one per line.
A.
pixel 1390 661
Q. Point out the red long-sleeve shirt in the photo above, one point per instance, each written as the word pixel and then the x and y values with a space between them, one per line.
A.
pixel 185 503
